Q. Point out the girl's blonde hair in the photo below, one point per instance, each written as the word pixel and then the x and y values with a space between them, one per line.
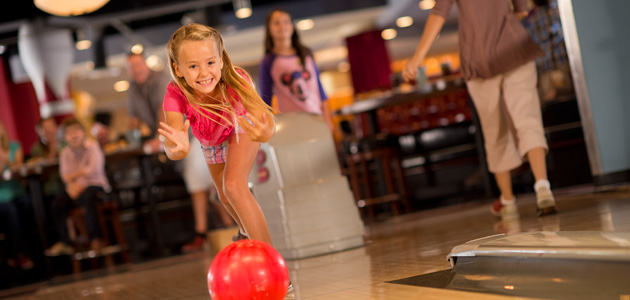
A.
pixel 245 90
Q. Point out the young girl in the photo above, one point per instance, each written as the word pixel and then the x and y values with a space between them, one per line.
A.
pixel 288 70
pixel 226 114
pixel 82 169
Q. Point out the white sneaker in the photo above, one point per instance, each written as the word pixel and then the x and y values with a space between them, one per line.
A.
pixel 507 211
pixel 545 202
pixel 59 248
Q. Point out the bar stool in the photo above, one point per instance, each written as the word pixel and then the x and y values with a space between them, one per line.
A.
pixel 108 217
pixel 369 169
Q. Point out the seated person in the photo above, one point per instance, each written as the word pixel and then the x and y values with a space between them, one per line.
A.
pixel 100 132
pixel 11 219
pixel 48 146
pixel 46 150
pixel 12 194
pixel 82 169
pixel 109 139
pixel 554 72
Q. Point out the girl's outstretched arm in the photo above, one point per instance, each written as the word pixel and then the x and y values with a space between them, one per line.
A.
pixel 263 128
pixel 175 131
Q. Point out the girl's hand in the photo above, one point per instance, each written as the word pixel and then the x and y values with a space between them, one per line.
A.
pixel 177 144
pixel 262 129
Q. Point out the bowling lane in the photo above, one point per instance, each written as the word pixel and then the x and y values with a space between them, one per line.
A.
pixel 389 291
pixel 402 247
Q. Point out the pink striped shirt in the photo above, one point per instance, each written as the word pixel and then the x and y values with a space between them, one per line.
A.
pixel 90 158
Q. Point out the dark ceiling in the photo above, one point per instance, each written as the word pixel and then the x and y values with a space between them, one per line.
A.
pixel 135 13
pixel 143 14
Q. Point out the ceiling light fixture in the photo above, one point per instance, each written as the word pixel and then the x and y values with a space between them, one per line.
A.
pixel 121 86
pixel 67 8
pixel 427 4
pixel 405 21
pixel 305 24
pixel 137 49
pixel 389 34
pixel 242 8
pixel 83 43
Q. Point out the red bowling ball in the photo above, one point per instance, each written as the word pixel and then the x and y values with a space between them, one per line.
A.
pixel 248 270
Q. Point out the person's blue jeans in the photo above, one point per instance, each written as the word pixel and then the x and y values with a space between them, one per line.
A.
pixel 10 218
pixel 63 204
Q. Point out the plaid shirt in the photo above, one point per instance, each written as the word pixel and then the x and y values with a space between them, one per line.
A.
pixel 544 25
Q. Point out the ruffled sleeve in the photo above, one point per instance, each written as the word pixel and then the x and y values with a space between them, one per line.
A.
pixel 175 100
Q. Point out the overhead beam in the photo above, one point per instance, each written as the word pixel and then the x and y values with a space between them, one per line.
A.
pixel 125 16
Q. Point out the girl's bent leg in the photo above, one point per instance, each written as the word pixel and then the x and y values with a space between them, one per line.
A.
pixel 217 170
pixel 240 159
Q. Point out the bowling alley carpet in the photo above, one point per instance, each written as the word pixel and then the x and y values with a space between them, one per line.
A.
pixel 398 251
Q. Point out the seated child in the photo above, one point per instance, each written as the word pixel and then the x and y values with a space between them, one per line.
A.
pixel 82 169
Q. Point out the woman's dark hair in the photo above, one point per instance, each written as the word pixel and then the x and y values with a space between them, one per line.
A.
pixel 301 50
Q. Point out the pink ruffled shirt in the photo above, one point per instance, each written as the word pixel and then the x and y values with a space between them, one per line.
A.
pixel 209 129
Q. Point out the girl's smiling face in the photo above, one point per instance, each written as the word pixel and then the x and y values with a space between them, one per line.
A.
pixel 200 63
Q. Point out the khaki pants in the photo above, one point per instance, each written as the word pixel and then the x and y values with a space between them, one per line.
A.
pixel 509 111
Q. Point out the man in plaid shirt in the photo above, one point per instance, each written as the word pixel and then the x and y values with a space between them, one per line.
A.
pixel 545 27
